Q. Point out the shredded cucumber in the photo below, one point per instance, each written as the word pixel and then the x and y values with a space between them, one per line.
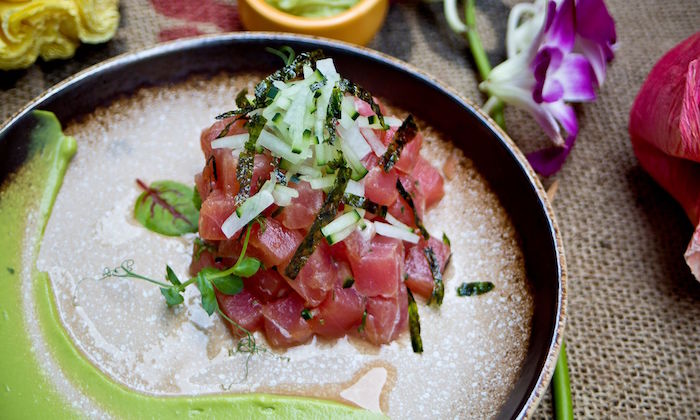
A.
pixel 392 231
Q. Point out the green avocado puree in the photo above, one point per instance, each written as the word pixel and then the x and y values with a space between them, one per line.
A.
pixel 26 391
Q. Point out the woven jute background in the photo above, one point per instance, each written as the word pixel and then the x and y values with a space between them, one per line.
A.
pixel 634 309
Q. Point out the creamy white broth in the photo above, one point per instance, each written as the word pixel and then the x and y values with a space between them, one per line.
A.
pixel 474 346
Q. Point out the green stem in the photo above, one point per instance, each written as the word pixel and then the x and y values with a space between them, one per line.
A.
pixel 561 388
pixel 480 58
pixel 231 269
pixel 184 285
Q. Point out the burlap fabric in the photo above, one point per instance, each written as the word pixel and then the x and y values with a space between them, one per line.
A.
pixel 634 308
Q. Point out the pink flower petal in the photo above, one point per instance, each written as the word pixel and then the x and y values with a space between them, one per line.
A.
pixel 565 114
pixel 690 113
pixel 595 55
pixel 549 161
pixel 692 254
pixel 576 76
pixel 562 32
pixel 593 22
pixel 656 113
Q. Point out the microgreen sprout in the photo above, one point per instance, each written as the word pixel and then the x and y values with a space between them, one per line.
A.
pixel 228 282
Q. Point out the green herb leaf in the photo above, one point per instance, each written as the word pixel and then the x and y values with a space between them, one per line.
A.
pixel 414 324
pixel 446 240
pixel 196 198
pixel 438 287
pixel 348 283
pixel 167 207
pixel 286 53
pixel 246 267
pixel 172 296
pixel 228 285
pixel 170 275
pixel 306 314
pixel 207 290
pixel 200 246
pixel 475 288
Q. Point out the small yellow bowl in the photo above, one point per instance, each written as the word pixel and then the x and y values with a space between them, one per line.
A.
pixel 357 24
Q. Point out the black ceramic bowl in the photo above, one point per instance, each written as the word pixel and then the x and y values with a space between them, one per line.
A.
pixel 494 154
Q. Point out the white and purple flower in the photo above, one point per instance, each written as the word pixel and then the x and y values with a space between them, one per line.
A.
pixel 557 53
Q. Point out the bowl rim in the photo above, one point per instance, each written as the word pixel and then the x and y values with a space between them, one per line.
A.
pixel 545 375
pixel 356 11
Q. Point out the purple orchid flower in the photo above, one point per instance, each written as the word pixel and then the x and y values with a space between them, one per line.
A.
pixel 559 64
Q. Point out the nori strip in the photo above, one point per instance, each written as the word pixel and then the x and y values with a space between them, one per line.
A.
pixel 365 203
pixel 246 159
pixel 241 100
pixel 438 287
pixel 361 93
pixel 403 135
pixel 226 129
pixel 265 90
pixel 475 288
pixel 333 114
pixel 325 215
pixel 414 324
pixel 288 72
pixel 279 175
pixel 407 196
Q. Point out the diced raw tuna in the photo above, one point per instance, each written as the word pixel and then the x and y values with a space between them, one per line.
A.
pixel 430 182
pixel 227 165
pixel 207 259
pixel 380 186
pixel 376 265
pixel 363 108
pixel 284 325
pixel 275 244
pixel 316 278
pixel 244 308
pixel 386 317
pixel 215 129
pixel 342 309
pixel 267 285
pixel 419 278
pixel 300 214
pixel 215 210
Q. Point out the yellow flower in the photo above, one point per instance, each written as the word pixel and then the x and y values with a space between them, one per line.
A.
pixel 52 28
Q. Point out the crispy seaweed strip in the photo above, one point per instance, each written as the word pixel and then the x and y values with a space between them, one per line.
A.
pixel 333 114
pixel 361 93
pixel 475 288
pixel 265 91
pixel 288 72
pixel 246 159
pixel 414 324
pixel 407 196
pixel 438 287
pixel 226 129
pixel 279 175
pixel 241 100
pixel 403 135
pixel 325 215
pixel 364 203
